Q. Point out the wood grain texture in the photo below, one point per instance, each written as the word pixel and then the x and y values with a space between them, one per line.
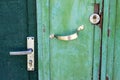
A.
pixel 43 39
pixel 111 31
pixel 116 68
pixel 97 46
pixel 39 35
pixel 111 40
pixel 62 60
pixel 105 39
pixel 71 60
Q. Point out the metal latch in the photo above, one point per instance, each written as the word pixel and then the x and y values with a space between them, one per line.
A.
pixel 95 17
pixel 29 52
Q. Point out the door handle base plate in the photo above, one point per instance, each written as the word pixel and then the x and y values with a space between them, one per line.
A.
pixel 30 57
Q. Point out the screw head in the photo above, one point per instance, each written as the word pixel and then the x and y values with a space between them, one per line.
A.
pixel 52 36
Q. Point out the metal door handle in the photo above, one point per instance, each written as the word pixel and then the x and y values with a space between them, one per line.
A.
pixel 29 51
pixel 68 37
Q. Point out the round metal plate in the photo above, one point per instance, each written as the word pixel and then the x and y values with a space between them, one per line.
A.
pixel 94 18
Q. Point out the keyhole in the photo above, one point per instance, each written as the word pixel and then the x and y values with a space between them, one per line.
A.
pixel 94 17
pixel 30 63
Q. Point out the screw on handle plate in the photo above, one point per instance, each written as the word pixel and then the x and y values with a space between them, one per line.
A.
pixel 68 37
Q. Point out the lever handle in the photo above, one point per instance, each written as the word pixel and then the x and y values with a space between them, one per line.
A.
pixel 29 52
pixel 68 37
pixel 21 52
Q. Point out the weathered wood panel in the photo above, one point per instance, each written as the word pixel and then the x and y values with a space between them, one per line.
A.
pixel 116 56
pixel 110 45
pixel 67 60
pixel 104 39
pixel 111 39
pixel 71 60
pixel 97 46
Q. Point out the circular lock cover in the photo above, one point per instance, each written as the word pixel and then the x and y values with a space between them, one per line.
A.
pixel 94 18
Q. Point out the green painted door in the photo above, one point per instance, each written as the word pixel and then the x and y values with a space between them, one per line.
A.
pixel 111 41
pixel 73 59
pixel 17 22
